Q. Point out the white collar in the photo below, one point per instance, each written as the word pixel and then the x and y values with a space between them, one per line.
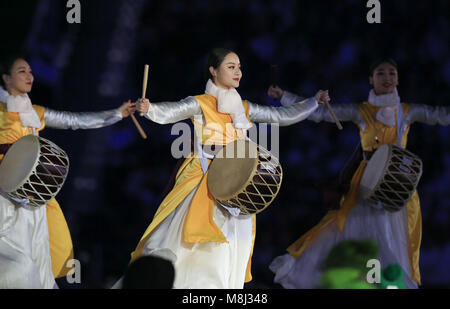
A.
pixel 388 103
pixel 229 102
pixel 22 104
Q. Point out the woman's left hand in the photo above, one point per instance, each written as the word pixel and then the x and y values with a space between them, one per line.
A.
pixel 127 109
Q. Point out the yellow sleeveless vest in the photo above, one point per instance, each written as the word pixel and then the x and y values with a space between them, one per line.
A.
pixel 218 127
pixel 374 128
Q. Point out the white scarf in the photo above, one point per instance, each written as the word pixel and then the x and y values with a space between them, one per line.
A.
pixel 229 102
pixel 22 105
pixel 388 104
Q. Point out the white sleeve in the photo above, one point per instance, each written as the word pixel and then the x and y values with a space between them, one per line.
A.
pixel 344 112
pixel 290 98
pixel 85 120
pixel 171 112
pixel 431 115
pixel 285 115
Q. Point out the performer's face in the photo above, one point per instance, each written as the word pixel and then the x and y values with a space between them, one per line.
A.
pixel 20 80
pixel 384 79
pixel 228 74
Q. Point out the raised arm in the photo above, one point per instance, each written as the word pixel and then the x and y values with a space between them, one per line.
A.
pixel 431 115
pixel 285 115
pixel 171 112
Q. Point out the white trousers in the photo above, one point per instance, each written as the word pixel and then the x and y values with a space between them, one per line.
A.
pixel 25 261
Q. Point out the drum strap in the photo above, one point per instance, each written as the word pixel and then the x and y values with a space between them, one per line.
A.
pixel 367 155
pixel 400 129
pixel 203 156
pixel 399 125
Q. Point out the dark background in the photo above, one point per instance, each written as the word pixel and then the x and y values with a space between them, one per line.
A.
pixel 116 179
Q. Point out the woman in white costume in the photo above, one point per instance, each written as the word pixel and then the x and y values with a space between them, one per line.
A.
pixel 35 243
pixel 210 246
pixel 383 119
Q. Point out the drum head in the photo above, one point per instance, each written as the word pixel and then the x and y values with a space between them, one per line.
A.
pixel 374 171
pixel 19 162
pixel 232 169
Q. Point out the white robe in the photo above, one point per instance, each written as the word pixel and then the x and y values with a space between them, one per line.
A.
pixel 205 265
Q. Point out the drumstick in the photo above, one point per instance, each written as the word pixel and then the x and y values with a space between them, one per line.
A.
pixel 334 116
pixel 136 123
pixel 144 84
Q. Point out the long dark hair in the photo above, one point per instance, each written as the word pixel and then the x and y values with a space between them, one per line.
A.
pixel 379 61
pixel 6 65
pixel 215 58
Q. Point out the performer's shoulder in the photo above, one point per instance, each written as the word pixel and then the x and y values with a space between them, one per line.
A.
pixel 205 98
pixel 40 110
pixel 406 107
pixel 365 105
pixel 404 104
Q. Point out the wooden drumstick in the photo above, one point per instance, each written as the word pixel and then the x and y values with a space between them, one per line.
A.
pixel 338 123
pixel 136 123
pixel 144 84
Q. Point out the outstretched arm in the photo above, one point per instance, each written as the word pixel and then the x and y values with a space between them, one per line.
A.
pixel 344 112
pixel 86 120
pixel 68 120
pixel 285 115
pixel 169 112
pixel 431 115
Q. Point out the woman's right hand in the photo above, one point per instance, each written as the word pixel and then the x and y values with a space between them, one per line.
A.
pixel 142 105
pixel 275 92
pixel 322 97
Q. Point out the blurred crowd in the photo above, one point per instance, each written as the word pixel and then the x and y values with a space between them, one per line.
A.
pixel 314 45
